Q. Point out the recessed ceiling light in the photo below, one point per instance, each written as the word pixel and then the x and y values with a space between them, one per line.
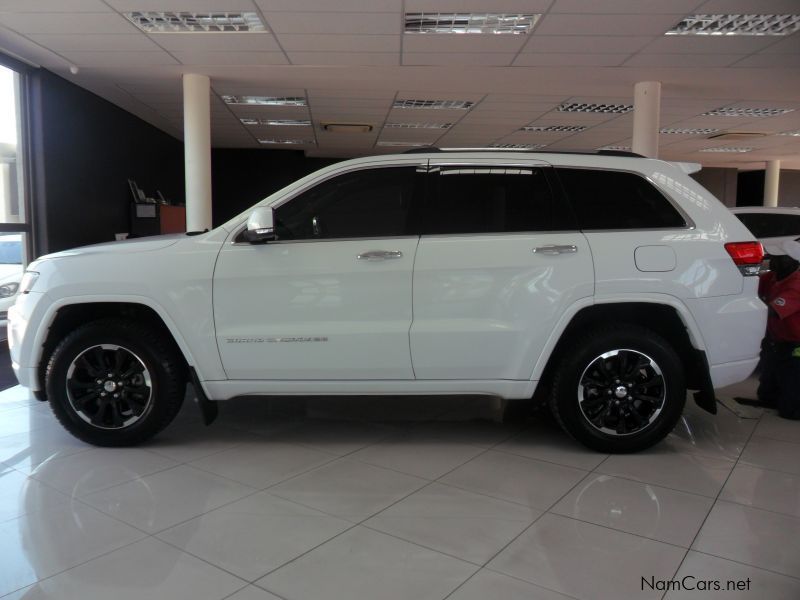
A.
pixel 434 104
pixel 795 133
pixel 518 146
pixel 734 111
pixel 193 22
pixel 554 128
pixel 402 144
pixel 591 107
pixel 736 149
pixel 737 25
pixel 277 122
pixel 682 131
pixel 418 125
pixel 492 23
pixel 285 141
pixel 266 100
pixel 616 148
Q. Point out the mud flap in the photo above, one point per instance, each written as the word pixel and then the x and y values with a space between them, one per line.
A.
pixel 705 397
pixel 208 408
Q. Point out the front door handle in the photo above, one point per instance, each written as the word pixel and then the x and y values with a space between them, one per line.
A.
pixel 552 250
pixel 379 255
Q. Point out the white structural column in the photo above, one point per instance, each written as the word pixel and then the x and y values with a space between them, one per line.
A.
pixel 197 150
pixel 646 110
pixel 771 180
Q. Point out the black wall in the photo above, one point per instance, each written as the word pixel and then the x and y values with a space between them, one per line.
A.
pixel 241 178
pixel 83 151
pixel 750 188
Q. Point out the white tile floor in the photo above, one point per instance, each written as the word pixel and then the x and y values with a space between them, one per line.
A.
pixel 425 498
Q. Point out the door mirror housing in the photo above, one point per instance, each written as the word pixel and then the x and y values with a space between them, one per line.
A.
pixel 260 225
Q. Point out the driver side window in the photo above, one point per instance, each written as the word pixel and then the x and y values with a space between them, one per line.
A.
pixel 365 203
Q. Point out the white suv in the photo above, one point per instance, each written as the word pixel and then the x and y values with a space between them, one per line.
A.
pixel 614 283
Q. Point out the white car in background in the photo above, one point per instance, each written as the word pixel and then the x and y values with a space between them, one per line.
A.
pixel 612 283
pixel 10 275
pixel 771 226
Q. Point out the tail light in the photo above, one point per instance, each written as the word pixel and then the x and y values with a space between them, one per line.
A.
pixel 748 256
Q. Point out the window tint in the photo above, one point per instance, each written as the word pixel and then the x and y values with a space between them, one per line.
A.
pixel 617 200
pixel 764 225
pixel 486 200
pixel 366 203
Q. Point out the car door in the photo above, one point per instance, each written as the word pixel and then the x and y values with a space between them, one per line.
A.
pixel 498 263
pixel 330 298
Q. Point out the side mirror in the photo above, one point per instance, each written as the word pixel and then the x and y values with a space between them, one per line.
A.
pixel 260 225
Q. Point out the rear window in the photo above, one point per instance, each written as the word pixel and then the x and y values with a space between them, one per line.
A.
pixel 766 225
pixel 617 200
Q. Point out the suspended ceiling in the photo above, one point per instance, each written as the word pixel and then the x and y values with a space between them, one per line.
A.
pixel 351 61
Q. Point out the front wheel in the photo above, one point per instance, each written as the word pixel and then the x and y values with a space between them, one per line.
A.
pixel 621 389
pixel 115 382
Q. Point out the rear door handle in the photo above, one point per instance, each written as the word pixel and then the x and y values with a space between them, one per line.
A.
pixel 552 250
pixel 379 255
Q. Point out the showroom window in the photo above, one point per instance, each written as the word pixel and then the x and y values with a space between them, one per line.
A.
pixel 13 218
pixel 364 203
pixel 468 199
pixel 617 200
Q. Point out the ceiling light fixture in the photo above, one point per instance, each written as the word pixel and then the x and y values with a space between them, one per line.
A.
pixel 735 111
pixel 518 146
pixel 682 131
pixel 192 22
pixel 554 128
pixel 591 107
pixel 491 23
pixel 737 25
pixel 276 122
pixel 736 149
pixel 434 104
pixel 285 141
pixel 266 100
pixel 418 125
pixel 795 133
pixel 616 148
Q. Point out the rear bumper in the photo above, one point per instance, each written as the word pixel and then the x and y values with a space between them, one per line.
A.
pixel 732 372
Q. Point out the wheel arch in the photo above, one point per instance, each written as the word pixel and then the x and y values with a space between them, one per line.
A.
pixel 667 317
pixel 67 314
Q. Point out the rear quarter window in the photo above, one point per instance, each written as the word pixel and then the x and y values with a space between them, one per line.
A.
pixel 617 200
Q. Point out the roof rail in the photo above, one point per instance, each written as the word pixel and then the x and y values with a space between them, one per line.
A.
pixel 431 149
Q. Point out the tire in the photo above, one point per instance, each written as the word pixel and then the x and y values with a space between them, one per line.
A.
pixel 86 368
pixel 621 388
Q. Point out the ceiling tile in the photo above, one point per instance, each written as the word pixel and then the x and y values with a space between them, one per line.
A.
pixel 332 92
pixel 624 6
pixel 321 42
pixel 570 60
pixel 358 6
pixel 481 6
pixel 180 5
pixel 563 24
pixel 458 58
pixel 231 58
pixel 682 60
pixel 747 7
pixel 463 43
pixel 708 44
pixel 789 45
pixel 67 6
pixel 64 23
pixel 770 60
pixel 344 58
pixel 118 59
pixel 586 43
pixel 95 42
pixel 211 42
pixel 330 22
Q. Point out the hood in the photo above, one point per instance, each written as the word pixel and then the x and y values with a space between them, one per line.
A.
pixel 145 244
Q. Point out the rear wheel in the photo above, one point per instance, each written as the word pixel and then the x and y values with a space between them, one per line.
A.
pixel 115 382
pixel 621 389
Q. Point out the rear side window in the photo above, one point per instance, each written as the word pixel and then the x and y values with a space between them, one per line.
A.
pixel 469 199
pixel 617 200
pixel 765 225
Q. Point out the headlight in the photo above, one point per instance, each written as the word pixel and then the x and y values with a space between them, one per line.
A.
pixel 28 281
pixel 9 289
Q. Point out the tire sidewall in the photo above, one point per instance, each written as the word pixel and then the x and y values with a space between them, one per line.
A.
pixel 566 399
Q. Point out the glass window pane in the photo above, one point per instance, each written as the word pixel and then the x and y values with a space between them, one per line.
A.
pixel 12 207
